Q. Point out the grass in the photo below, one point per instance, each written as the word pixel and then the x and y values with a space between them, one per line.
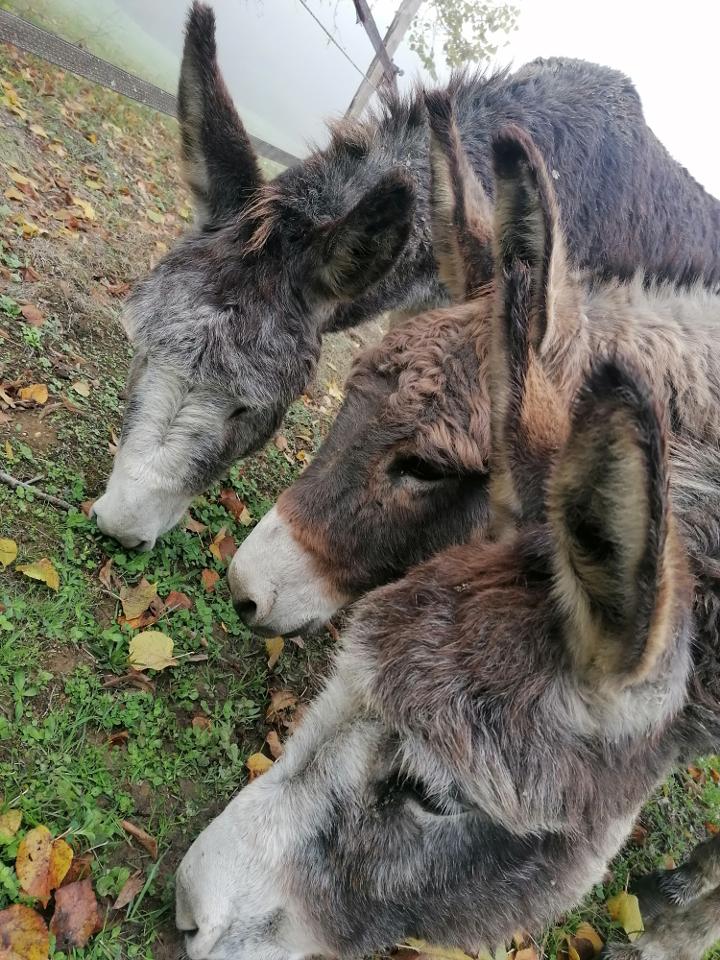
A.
pixel 79 751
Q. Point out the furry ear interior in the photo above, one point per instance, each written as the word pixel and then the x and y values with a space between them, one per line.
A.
pixel 219 162
pixel 529 410
pixel 351 254
pixel 609 513
pixel 462 220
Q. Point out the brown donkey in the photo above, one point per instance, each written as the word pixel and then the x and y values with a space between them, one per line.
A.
pixel 440 765
pixel 404 470
pixel 227 328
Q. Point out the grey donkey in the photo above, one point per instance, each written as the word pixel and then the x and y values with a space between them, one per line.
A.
pixel 227 329
pixel 496 718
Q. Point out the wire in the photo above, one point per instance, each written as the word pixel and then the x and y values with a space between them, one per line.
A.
pixel 332 40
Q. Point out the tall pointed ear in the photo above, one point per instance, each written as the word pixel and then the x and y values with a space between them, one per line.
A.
pixel 535 324
pixel 219 162
pixel 462 219
pixel 619 571
pixel 351 254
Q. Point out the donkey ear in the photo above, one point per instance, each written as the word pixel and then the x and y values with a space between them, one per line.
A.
pixel 462 223
pixel 536 314
pixel 219 162
pixel 617 573
pixel 352 253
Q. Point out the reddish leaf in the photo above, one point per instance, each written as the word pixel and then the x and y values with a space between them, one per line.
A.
pixel 201 722
pixel 118 739
pixel 76 916
pixel 143 838
pixel 80 868
pixel 32 315
pixel 177 601
pixel 209 580
pixel 274 745
pixel 232 503
pixel 194 526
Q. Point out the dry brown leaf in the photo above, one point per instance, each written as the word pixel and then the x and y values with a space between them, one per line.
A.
pixel 231 502
pixel 42 863
pixel 35 393
pixel 274 745
pixel 41 570
pixel 201 722
pixel 280 700
pixel 80 868
pixel 223 546
pixel 29 274
pixel 281 443
pixel 10 824
pixel 32 315
pixel 274 647
pixel 131 888
pixel 177 601
pixel 86 506
pixel 118 739
pixel 23 934
pixel 209 580
pixel 257 764
pixel 12 193
pixel 8 552
pixel 76 916
pixel 151 650
pixel 106 575
pixel 194 526
pixel 135 600
pixel 143 838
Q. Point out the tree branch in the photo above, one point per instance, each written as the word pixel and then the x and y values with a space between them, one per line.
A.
pixel 48 497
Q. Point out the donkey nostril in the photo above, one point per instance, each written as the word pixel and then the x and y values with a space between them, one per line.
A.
pixel 246 610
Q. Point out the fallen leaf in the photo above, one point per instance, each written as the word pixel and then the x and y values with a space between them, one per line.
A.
pixel 12 193
pixel 135 600
pixel 257 764
pixel 32 315
pixel 118 739
pixel 155 216
pixel 274 745
pixel 131 888
pixel 232 503
pixel 223 547
pixel 280 700
pixel 625 910
pixel 39 131
pixel 281 442
pixel 194 526
pixel 334 391
pixel 587 932
pixel 8 550
pixel 209 580
pixel 76 915
pixel 35 393
pixel 639 835
pixel 142 837
pixel 245 517
pixel 86 506
pixel 42 863
pixel 10 824
pixel 151 650
pixel 177 601
pixel 82 387
pixel 87 211
pixel 20 178
pixel 527 953
pixel 29 274
pixel 41 570
pixel 23 934
pixel 274 647
pixel 80 868
pixel 106 575
pixel 6 398
pixel 201 722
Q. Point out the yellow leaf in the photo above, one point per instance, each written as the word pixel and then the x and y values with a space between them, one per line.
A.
pixel 10 824
pixel 82 387
pixel 41 863
pixel 93 184
pixel 135 600
pixel 625 910
pixel 39 131
pixel 20 178
pixel 23 934
pixel 185 213
pixel 155 216
pixel 274 647
pixel 12 193
pixel 28 228
pixel 257 764
pixel 334 391
pixel 92 137
pixel 245 517
pixel 88 212
pixel 152 650
pixel 439 953
pixel 36 392
pixel 8 552
pixel 9 452
pixel 41 570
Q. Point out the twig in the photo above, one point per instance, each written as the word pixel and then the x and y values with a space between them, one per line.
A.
pixel 55 501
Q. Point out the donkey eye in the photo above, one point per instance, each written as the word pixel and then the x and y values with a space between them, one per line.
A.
pixel 399 789
pixel 416 468
pixel 238 412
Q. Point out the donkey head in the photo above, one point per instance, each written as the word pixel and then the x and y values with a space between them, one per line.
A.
pixel 404 470
pixel 227 328
pixel 494 722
